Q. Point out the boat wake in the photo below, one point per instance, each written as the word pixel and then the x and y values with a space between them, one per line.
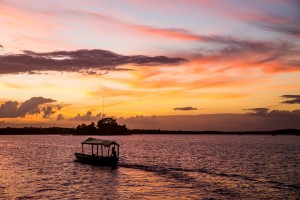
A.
pixel 186 174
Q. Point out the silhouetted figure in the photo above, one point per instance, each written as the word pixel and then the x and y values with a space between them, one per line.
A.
pixel 113 153
pixel 114 156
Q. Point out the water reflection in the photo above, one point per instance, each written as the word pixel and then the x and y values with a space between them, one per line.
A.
pixel 169 167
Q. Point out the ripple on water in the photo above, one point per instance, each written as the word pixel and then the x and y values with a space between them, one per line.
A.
pixel 152 166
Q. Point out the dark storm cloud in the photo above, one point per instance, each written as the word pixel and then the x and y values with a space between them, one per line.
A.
pixel 185 108
pixel 83 59
pixel 291 99
pixel 12 109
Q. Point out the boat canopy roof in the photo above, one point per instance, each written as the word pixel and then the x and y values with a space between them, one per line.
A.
pixel 94 141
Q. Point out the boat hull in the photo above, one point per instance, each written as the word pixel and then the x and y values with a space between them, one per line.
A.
pixel 96 160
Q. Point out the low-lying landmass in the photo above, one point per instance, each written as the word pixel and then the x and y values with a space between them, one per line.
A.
pixel 275 132
pixel 109 126
pixel 72 131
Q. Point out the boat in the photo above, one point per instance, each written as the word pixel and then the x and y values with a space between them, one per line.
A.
pixel 102 152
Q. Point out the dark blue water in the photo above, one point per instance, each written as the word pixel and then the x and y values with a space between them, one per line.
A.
pixel 153 167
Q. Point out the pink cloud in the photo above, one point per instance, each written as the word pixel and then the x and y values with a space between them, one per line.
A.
pixel 242 55
pixel 14 15
pixel 172 33
pixel 169 33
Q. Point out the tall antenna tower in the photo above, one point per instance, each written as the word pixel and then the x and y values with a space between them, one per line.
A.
pixel 102 107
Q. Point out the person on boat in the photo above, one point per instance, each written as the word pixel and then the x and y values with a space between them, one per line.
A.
pixel 113 153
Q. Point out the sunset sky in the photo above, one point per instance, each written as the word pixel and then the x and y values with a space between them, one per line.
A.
pixel 160 64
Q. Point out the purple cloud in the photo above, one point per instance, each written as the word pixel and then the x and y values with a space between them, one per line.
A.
pixel 185 108
pixel 48 111
pixel 84 59
pixel 258 111
pixel 60 117
pixel 13 109
pixel 292 99
pixel 87 117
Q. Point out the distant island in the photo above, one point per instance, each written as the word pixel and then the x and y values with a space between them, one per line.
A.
pixel 109 126
pixel 275 132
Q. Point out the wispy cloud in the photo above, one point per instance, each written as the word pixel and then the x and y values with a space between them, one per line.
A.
pixel 281 22
pixel 145 30
pixel 175 33
pixel 268 56
pixel 291 28
pixel 156 32
pixel 261 14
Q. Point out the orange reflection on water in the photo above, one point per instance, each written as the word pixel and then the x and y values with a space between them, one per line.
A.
pixel 154 186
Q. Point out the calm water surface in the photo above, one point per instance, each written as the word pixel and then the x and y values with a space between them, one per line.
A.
pixel 153 167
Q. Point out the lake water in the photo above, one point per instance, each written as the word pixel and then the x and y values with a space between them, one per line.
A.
pixel 153 167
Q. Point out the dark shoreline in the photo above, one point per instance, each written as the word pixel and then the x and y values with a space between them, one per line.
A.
pixel 71 131
pixel 275 132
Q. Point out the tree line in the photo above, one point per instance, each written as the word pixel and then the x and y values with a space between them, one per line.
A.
pixel 105 126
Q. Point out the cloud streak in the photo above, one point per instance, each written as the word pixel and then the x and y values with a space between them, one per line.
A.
pixel 78 60
pixel 188 108
pixel 268 56
pixel 288 24
pixel 292 99
pixel 258 111
pixel 177 33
